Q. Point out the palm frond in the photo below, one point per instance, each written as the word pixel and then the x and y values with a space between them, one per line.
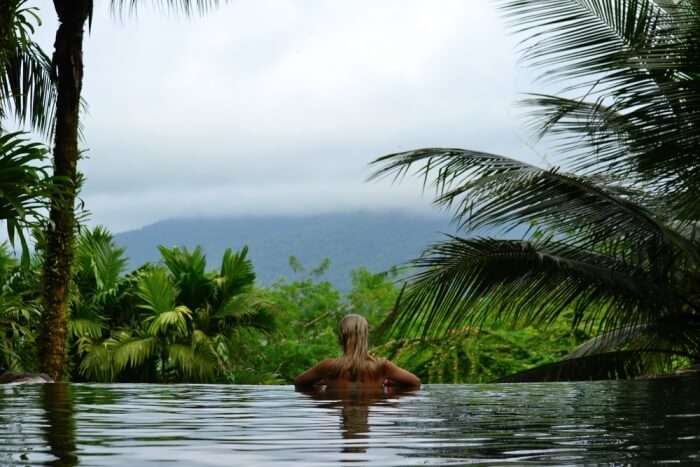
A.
pixel 627 352
pixel 24 186
pixel 636 62
pixel 157 291
pixel 673 334
pixel 242 306
pixel 236 275
pixel 575 38
pixel 465 281
pixel 99 261
pixel 97 363
pixel 197 365
pixel 85 324
pixel 172 322
pixel 612 365
pixel 189 271
pixel 27 91
pixel 129 351
pixel 185 7
pixel 488 189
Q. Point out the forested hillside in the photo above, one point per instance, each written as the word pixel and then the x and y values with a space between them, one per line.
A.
pixel 374 240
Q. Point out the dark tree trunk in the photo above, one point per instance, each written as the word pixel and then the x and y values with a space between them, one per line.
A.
pixel 68 74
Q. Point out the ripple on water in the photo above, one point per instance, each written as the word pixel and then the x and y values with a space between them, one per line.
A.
pixel 193 425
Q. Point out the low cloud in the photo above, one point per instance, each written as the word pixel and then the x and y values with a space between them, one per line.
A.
pixel 279 106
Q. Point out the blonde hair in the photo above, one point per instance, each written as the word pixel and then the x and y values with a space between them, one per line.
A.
pixel 354 338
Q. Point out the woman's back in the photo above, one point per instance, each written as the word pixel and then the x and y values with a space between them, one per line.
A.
pixel 338 373
pixel 356 368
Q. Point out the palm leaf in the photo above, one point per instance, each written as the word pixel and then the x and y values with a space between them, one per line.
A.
pixel 172 322
pixel 575 38
pixel 637 63
pixel 85 322
pixel 611 365
pixel 100 263
pixel 130 351
pixel 236 275
pixel 26 88
pixel 674 334
pixel 186 7
pixel 24 186
pixel 189 271
pixel 97 363
pixel 465 281
pixel 487 189
pixel 156 290
pixel 199 365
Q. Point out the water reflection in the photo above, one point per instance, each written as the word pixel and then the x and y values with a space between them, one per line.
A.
pixel 59 431
pixel 638 422
pixel 354 408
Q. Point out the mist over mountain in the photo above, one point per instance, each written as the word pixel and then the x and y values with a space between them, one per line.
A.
pixel 376 240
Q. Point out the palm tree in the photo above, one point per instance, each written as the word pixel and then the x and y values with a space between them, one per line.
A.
pixel 612 238
pixel 184 322
pixel 67 73
pixel 99 291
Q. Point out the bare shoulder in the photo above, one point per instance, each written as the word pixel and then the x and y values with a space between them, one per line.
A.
pixel 327 364
pixel 397 375
pixel 315 374
pixel 388 366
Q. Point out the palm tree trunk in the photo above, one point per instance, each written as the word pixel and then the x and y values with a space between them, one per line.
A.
pixel 68 74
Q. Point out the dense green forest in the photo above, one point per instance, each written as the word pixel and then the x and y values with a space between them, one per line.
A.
pixel 181 320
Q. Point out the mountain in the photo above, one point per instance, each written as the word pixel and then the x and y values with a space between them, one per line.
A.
pixel 376 240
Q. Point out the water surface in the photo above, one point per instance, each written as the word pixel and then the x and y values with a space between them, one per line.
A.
pixel 205 425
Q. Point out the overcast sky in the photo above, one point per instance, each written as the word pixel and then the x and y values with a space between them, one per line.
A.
pixel 274 106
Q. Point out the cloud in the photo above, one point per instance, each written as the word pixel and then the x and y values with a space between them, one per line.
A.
pixel 278 106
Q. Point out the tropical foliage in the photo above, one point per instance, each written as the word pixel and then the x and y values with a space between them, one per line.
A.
pixel 66 72
pixel 175 322
pixel 26 90
pixel 24 185
pixel 179 321
pixel 19 313
pixel 26 95
pixel 613 238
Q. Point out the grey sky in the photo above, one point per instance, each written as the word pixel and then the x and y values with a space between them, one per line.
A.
pixel 274 106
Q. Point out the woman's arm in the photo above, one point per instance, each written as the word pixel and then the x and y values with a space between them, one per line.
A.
pixel 313 375
pixel 397 375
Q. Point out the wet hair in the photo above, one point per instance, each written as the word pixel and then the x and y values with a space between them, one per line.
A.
pixel 356 361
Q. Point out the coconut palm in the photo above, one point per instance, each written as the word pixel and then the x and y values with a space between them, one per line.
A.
pixel 184 322
pixel 67 72
pixel 613 238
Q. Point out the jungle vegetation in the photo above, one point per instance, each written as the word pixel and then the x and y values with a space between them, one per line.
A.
pixel 613 250
pixel 613 241
pixel 182 320
pixel 45 95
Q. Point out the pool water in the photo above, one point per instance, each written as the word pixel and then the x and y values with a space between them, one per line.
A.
pixel 635 422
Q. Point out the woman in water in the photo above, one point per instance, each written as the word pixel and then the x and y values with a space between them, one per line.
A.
pixel 356 369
